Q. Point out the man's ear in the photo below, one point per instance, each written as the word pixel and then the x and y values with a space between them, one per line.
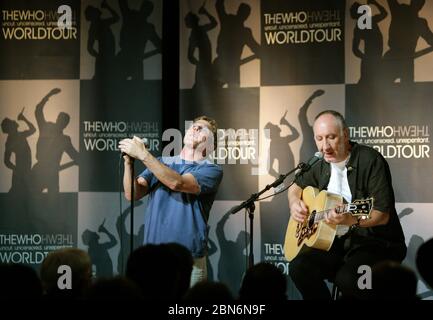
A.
pixel 346 133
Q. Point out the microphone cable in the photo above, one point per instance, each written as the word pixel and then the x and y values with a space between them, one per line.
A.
pixel 120 217
pixel 246 241
pixel 276 193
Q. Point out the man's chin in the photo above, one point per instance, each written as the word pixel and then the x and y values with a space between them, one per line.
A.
pixel 329 159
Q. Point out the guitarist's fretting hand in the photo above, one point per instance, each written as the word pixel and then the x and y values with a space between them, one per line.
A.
pixel 299 210
pixel 338 218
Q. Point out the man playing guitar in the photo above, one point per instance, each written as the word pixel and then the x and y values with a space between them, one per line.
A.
pixel 352 171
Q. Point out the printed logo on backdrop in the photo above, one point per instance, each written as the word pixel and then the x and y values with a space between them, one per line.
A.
pixel 105 135
pixel 395 121
pixel 101 138
pixel 122 110
pixel 121 40
pixel 30 223
pixel 298 39
pixel 395 142
pixel 35 44
pixel 220 46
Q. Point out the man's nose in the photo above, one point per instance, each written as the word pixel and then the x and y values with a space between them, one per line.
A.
pixel 326 145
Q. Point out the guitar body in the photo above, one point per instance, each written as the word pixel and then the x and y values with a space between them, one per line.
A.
pixel 318 235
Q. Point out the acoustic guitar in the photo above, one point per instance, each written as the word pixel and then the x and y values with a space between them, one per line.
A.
pixel 314 231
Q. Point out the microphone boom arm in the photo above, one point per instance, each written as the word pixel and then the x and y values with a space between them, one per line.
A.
pixel 250 201
pixel 303 167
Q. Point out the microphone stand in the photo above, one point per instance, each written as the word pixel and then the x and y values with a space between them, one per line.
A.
pixel 250 206
pixel 131 234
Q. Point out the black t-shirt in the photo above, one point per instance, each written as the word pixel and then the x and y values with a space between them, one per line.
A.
pixel 368 175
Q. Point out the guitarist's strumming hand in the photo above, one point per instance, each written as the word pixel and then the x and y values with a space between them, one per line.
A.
pixel 299 211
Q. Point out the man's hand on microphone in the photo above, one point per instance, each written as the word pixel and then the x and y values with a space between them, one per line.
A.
pixel 134 148
pixel 299 211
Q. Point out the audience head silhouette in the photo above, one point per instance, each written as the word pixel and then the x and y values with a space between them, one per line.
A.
pixel 263 282
pixel 117 288
pixel 393 281
pixel 161 271
pixel 19 282
pixel 79 262
pixel 424 262
pixel 182 267
pixel 209 291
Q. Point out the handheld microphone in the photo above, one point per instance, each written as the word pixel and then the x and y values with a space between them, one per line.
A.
pixel 313 160
pixel 145 142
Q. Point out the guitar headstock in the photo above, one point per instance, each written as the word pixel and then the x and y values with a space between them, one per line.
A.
pixel 360 208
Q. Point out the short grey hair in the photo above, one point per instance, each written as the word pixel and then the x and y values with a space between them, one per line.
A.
pixel 337 115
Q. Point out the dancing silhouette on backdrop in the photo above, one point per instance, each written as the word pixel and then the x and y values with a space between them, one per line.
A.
pixel 280 149
pixel 134 34
pixel 100 31
pixel 124 235
pixel 232 262
pixel 98 252
pixel 199 40
pixel 308 147
pixel 16 143
pixel 51 145
pixel 371 57
pixel 405 29
pixel 233 36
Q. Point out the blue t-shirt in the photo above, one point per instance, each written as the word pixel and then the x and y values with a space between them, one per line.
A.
pixel 177 216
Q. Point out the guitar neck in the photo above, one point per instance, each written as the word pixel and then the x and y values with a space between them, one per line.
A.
pixel 357 208
pixel 321 215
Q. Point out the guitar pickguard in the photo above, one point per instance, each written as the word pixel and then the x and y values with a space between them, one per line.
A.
pixel 303 231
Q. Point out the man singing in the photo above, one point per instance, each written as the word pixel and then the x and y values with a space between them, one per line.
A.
pixel 181 190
